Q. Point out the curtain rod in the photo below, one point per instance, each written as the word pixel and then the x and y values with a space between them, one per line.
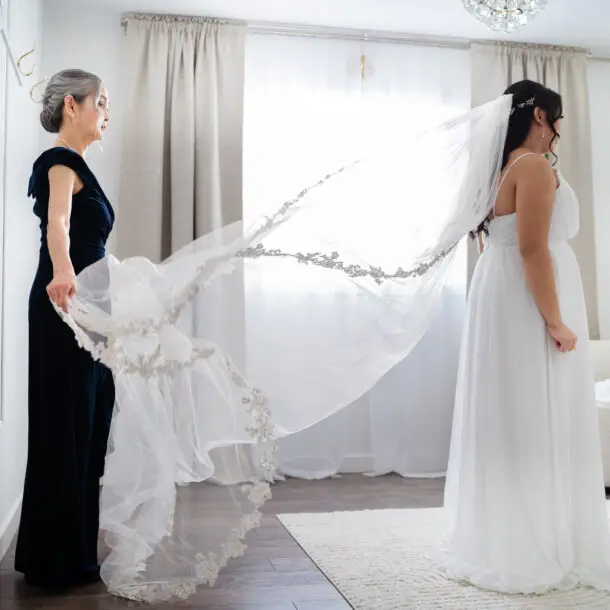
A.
pixel 396 37
pixel 287 29
pixel 169 18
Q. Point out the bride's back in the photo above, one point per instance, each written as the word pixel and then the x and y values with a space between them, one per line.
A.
pixel 503 228
pixel 506 202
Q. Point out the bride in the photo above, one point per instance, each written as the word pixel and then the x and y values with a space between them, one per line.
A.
pixel 199 407
pixel 524 491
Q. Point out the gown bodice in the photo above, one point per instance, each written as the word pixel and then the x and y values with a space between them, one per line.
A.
pixel 92 215
pixel 564 221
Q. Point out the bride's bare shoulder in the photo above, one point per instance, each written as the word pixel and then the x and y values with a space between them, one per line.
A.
pixel 534 160
pixel 534 167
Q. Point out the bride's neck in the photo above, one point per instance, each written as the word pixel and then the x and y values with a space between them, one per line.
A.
pixel 536 144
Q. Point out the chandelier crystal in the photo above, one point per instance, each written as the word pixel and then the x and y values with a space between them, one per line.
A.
pixel 505 16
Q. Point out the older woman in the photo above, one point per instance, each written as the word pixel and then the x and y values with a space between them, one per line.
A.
pixel 70 395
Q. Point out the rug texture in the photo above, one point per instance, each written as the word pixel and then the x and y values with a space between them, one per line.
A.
pixel 390 560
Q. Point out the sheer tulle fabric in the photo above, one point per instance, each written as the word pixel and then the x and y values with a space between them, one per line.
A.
pixel 198 410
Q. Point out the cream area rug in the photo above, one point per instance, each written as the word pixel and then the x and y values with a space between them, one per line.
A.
pixel 390 560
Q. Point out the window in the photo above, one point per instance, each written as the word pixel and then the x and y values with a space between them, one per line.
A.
pixel 314 104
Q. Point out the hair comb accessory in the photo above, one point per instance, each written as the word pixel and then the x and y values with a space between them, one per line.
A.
pixel 529 102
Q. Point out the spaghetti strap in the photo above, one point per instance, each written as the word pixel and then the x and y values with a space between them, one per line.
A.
pixel 527 154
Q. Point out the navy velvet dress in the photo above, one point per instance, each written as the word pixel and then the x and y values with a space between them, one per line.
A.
pixel 70 402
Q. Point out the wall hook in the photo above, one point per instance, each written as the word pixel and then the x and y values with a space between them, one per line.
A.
pixel 22 57
pixel 33 89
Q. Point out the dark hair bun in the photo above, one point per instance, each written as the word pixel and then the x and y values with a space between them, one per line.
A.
pixel 51 121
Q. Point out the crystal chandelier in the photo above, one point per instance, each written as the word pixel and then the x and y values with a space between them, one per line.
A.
pixel 504 15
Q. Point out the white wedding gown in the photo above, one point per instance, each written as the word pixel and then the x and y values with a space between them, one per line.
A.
pixel 525 494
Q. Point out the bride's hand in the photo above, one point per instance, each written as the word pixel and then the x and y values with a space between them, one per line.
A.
pixel 565 340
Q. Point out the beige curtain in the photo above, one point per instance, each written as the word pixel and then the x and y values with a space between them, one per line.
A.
pixel 494 67
pixel 181 173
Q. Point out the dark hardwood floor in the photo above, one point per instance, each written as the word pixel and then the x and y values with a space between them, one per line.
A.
pixel 275 573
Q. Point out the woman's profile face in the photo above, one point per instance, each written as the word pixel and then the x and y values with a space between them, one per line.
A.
pixel 103 112
pixel 90 117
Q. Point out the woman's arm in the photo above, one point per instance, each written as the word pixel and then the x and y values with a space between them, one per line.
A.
pixel 61 187
pixel 535 192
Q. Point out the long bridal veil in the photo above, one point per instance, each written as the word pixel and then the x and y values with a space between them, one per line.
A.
pixel 200 401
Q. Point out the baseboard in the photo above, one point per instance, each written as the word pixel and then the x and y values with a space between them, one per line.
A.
pixel 364 463
pixel 8 529
pixel 357 464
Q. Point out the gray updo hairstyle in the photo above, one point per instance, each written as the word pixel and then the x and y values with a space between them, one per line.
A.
pixel 77 83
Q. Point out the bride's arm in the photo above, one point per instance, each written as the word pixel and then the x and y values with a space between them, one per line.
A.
pixel 535 198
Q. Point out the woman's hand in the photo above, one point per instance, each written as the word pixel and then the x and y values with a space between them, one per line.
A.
pixel 62 289
pixel 565 340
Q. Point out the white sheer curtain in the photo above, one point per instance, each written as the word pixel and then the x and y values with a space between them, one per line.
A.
pixel 312 104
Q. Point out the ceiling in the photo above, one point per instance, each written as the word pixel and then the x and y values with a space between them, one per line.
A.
pixel 582 23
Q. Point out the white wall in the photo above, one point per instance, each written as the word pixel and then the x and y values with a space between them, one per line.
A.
pixel 599 95
pixel 21 254
pixel 89 39
pixel 65 41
